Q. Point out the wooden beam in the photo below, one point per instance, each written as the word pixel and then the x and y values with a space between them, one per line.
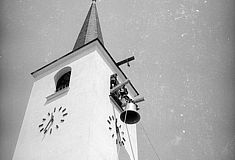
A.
pixel 119 86
pixel 126 61
pixel 137 100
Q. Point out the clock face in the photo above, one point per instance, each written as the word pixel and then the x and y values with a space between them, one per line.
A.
pixel 52 120
pixel 116 130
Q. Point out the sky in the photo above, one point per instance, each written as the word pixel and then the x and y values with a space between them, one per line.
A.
pixel 184 67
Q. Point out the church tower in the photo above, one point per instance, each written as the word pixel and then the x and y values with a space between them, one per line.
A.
pixel 75 105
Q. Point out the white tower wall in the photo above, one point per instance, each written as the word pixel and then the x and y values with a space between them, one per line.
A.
pixel 84 134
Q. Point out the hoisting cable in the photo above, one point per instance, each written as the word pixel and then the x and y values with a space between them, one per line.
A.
pixel 150 141
pixel 119 144
pixel 130 142
pixel 129 135
pixel 116 135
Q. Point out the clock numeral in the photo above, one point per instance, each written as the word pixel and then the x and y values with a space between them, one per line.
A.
pixel 112 135
pixel 48 114
pixel 65 114
pixel 57 126
pixel 64 110
pixel 40 125
pixel 110 118
pixel 54 109
pixel 62 120
pixel 124 139
pixel 122 143
pixel 43 119
pixel 60 108
pixel 108 121
pixel 50 130
pixel 41 129
pixel 116 141
pixel 113 117
pixel 110 128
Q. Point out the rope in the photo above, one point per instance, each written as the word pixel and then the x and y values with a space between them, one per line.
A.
pixel 130 142
pixel 115 129
pixel 129 134
pixel 124 122
pixel 128 137
pixel 118 149
pixel 150 142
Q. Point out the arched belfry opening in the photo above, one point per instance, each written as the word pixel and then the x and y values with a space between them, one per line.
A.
pixel 62 78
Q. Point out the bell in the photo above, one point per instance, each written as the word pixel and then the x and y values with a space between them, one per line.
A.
pixel 130 116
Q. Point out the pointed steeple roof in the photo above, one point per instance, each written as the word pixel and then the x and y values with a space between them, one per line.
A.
pixel 90 29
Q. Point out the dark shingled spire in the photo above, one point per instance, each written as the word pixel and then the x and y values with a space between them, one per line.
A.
pixel 90 29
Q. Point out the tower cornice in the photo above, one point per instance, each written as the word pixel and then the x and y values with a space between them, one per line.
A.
pixel 78 52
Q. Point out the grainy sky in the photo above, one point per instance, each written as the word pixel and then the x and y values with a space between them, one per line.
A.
pixel 184 67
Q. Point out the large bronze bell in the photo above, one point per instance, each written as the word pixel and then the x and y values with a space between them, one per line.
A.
pixel 130 115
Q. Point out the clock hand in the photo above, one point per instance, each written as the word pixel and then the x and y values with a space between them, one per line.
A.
pixel 45 130
pixel 52 120
pixel 49 123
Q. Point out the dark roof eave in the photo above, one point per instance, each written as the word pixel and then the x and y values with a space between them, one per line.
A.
pixel 82 47
pixel 62 57
pixel 117 66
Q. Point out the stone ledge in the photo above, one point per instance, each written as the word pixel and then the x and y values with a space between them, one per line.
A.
pixel 57 94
